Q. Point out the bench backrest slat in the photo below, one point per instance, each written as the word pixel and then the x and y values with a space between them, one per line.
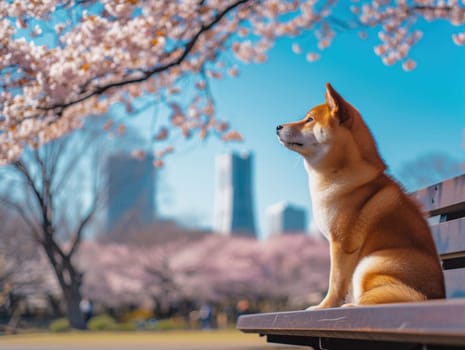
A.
pixel 455 283
pixel 449 237
pixel 447 197
pixel 445 205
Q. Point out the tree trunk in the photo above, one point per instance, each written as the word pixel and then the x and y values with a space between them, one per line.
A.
pixel 72 297
pixel 54 305
pixel 70 280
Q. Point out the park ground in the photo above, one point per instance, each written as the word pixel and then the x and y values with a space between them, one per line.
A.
pixel 170 340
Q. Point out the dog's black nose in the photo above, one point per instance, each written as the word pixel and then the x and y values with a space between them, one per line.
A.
pixel 279 127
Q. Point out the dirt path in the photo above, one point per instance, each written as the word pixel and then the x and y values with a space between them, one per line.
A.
pixel 189 340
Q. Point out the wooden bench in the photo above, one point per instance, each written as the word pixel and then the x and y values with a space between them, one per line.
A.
pixel 436 324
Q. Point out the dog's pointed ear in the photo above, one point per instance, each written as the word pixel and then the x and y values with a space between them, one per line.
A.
pixel 337 105
pixel 332 97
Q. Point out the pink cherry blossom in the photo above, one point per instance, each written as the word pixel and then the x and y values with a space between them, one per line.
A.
pixel 138 154
pixel 312 56
pixel 158 163
pixel 409 65
pixel 296 48
pixel 459 39
pixel 232 136
pixel 162 134
pixel 63 61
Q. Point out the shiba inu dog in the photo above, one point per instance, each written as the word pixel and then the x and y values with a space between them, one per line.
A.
pixel 381 247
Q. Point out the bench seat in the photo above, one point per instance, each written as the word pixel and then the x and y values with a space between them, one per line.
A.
pixel 430 322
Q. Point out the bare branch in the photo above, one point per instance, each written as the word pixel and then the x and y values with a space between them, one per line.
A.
pixel 82 225
pixel 22 213
pixel 22 169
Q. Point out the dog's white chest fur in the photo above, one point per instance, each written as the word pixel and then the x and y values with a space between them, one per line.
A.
pixel 323 217
pixel 323 214
pixel 327 200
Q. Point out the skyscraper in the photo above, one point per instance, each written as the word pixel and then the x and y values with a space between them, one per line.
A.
pixel 131 191
pixel 284 218
pixel 234 204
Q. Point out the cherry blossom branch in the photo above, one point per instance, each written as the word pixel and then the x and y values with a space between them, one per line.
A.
pixel 427 12
pixel 114 52
pixel 149 73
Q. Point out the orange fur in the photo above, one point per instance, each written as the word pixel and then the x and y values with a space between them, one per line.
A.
pixel 381 246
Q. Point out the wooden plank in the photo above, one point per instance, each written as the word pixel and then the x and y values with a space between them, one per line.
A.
pixel 455 283
pixel 442 197
pixel 432 322
pixel 449 236
pixel 352 344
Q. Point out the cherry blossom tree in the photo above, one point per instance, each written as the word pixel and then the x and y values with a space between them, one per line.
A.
pixel 222 268
pixel 112 275
pixel 65 60
pixel 286 271
pixel 299 278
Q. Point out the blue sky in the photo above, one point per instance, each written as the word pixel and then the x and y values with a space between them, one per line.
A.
pixel 410 114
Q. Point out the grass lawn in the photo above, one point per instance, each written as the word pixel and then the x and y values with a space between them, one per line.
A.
pixel 169 340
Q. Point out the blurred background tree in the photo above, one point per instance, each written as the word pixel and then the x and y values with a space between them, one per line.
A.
pixel 24 271
pixel 57 200
pixel 429 169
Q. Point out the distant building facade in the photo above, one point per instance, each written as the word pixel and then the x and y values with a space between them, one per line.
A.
pixel 234 200
pixel 285 218
pixel 130 191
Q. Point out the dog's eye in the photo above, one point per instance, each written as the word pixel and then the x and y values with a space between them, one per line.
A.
pixel 309 120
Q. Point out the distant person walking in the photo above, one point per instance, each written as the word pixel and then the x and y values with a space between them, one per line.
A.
pixel 86 308
pixel 205 316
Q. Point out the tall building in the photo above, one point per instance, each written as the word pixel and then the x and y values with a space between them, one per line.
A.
pixel 234 204
pixel 284 218
pixel 131 191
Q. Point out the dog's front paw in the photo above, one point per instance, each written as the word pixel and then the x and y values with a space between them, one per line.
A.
pixel 323 305
pixel 317 307
pixel 349 305
pixel 314 307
